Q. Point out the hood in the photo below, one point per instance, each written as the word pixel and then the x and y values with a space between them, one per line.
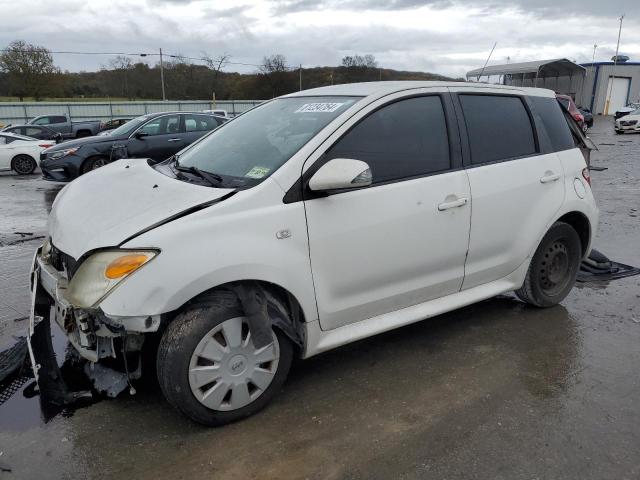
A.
pixel 107 206
pixel 78 142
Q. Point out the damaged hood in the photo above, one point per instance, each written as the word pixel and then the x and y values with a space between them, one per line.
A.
pixel 107 206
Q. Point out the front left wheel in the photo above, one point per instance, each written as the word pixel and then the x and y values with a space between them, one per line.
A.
pixel 23 164
pixel 209 368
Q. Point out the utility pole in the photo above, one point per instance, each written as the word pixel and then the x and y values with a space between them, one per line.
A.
pixel 615 64
pixel 164 97
pixel 300 71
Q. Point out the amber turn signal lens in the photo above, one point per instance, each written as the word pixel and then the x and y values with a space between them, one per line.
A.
pixel 124 265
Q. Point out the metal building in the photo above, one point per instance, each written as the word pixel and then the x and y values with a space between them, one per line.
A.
pixel 588 83
pixel 625 86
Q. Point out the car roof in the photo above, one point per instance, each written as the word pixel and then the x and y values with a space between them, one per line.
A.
pixel 366 89
pixel 15 135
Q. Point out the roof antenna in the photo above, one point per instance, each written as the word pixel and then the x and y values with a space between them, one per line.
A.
pixel 488 58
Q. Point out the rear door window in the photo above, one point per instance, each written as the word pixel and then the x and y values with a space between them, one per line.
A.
pixel 553 122
pixel 405 139
pixel 498 126
pixel 57 119
pixel 199 123
pixel 165 125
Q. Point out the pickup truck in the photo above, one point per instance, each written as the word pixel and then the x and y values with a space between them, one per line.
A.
pixel 64 125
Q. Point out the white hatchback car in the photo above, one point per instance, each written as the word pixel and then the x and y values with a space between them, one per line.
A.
pixel 314 220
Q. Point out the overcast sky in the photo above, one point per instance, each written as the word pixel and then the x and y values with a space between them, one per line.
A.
pixel 448 37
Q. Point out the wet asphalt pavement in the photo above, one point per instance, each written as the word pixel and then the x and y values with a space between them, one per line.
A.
pixel 496 390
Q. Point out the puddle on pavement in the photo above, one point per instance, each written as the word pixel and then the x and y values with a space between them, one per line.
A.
pixel 27 408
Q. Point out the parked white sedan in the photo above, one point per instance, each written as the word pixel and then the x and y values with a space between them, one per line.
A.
pixel 19 153
pixel 629 123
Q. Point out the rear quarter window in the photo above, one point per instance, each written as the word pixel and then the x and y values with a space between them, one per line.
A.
pixel 554 123
pixel 498 126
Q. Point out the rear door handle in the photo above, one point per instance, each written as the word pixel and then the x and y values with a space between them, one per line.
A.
pixel 174 140
pixel 460 202
pixel 549 177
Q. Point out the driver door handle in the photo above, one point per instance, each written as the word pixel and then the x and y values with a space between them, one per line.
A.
pixel 174 140
pixel 549 177
pixel 459 202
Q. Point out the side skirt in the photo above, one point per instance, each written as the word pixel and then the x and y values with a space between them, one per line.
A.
pixel 319 341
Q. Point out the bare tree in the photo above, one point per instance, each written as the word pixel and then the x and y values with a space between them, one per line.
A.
pixel 274 69
pixel 216 64
pixel 359 68
pixel 29 68
pixel 123 65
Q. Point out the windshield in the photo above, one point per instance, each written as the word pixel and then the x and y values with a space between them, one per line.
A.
pixel 635 112
pixel 251 147
pixel 129 126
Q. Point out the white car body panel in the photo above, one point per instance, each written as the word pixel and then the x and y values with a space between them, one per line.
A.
pixel 19 147
pixel 106 207
pixel 504 194
pixel 391 254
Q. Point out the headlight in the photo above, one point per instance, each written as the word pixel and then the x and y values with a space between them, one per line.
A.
pixel 99 274
pixel 63 153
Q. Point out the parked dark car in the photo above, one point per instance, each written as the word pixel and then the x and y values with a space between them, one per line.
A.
pixel 588 116
pixel 34 131
pixel 156 136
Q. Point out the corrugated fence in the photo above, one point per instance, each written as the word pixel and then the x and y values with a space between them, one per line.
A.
pixel 20 112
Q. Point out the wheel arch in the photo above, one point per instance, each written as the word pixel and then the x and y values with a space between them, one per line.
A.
pixel 287 299
pixel 581 224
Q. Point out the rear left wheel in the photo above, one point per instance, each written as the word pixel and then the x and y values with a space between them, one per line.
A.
pixel 23 164
pixel 554 266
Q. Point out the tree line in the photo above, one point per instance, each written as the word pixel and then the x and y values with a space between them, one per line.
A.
pixel 29 71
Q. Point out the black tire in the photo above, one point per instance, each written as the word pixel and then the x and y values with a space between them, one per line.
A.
pixel 178 344
pixel 619 132
pixel 553 269
pixel 93 163
pixel 23 164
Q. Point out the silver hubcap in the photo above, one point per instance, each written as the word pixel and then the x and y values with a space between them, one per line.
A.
pixel 226 371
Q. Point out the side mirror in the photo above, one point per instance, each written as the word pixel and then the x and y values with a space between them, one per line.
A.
pixel 341 173
pixel 140 134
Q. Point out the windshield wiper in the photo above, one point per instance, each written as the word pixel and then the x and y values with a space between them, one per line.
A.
pixel 212 178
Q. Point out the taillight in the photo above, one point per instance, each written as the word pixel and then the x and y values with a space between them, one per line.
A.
pixel 578 117
pixel 46 145
pixel 586 175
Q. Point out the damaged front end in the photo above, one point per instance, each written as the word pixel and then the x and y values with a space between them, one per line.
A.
pixel 110 347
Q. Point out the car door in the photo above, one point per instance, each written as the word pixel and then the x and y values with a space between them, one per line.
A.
pixel 403 240
pixel 516 188
pixel 161 137
pixel 197 125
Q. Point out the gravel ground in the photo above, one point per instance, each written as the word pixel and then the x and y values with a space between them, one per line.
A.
pixel 496 390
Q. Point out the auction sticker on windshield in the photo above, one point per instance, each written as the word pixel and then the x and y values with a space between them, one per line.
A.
pixel 319 107
pixel 257 172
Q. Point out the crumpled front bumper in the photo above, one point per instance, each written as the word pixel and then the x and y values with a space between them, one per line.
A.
pixel 92 334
